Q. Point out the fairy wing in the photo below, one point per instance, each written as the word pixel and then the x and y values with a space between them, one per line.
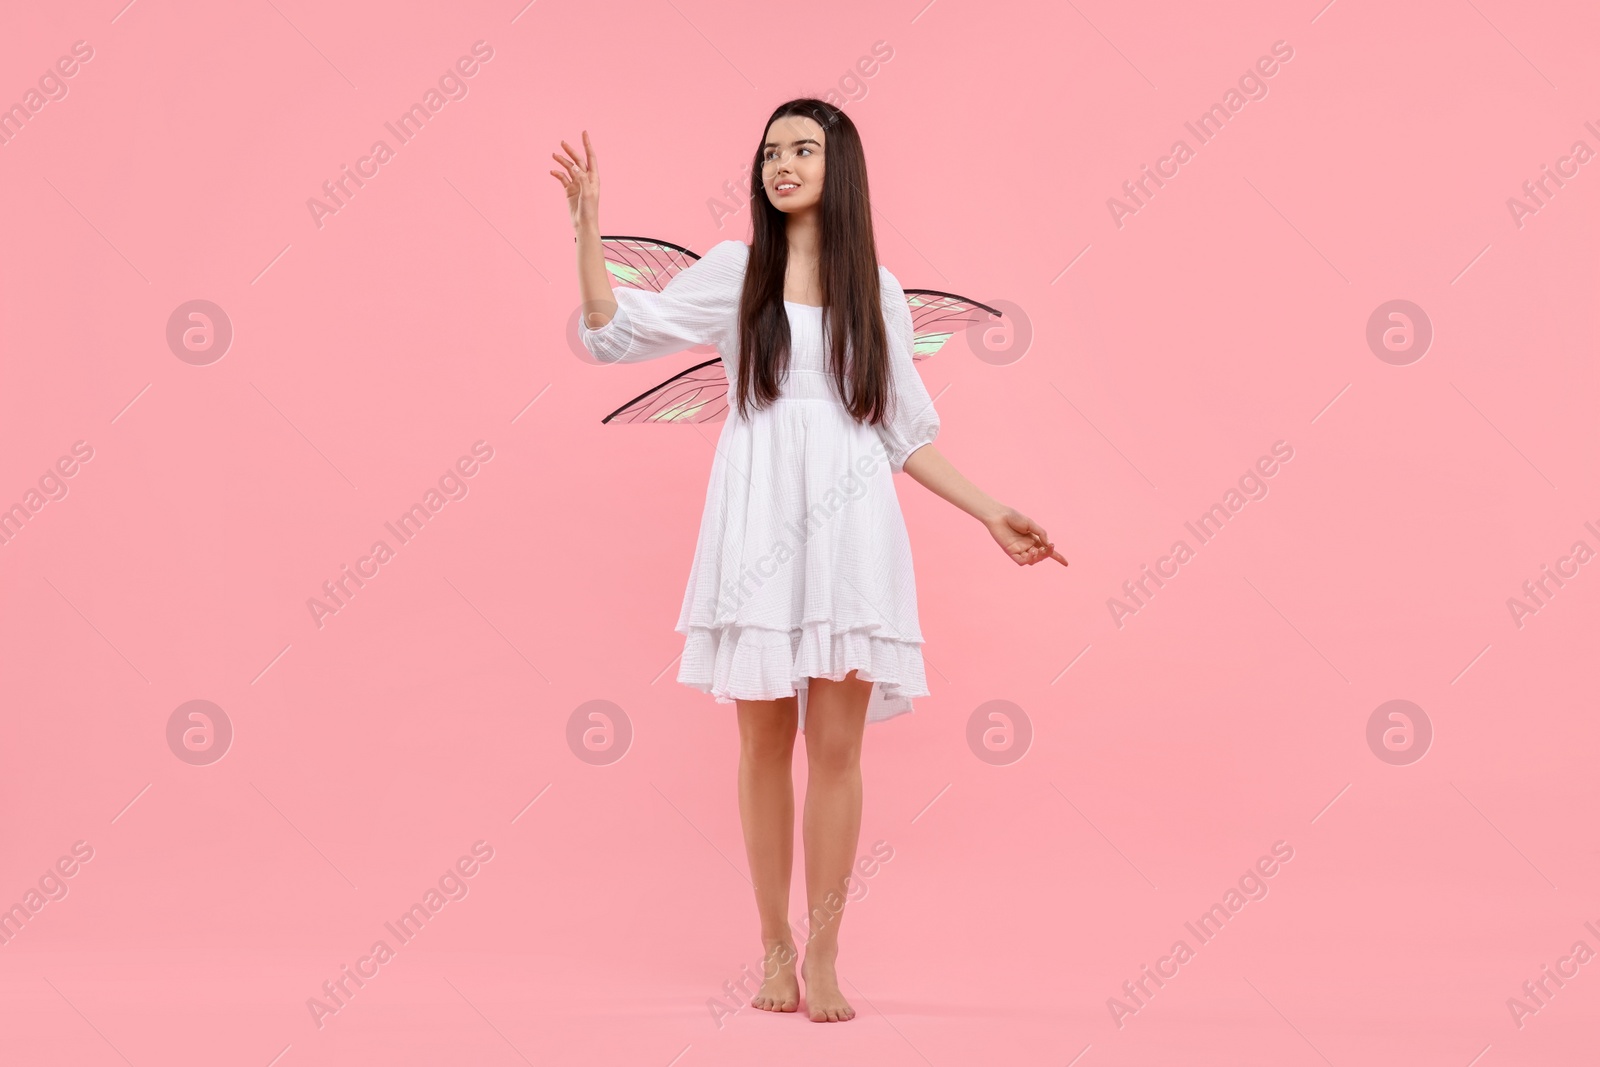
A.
pixel 936 317
pixel 644 262
pixel 700 394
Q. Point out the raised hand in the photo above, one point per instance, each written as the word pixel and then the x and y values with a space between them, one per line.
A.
pixel 1023 539
pixel 581 181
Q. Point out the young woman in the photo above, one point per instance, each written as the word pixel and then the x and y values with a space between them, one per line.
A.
pixel 801 605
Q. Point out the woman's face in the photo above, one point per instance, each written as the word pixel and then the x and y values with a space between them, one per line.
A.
pixel 792 163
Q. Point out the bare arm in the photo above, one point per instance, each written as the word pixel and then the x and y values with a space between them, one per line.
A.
pixel 582 184
pixel 599 305
pixel 1024 540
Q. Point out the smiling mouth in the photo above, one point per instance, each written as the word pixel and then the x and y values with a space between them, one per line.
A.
pixel 786 187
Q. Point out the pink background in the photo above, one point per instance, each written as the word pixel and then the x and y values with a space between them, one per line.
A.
pixel 434 310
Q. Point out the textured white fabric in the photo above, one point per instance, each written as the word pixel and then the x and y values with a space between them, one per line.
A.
pixel 803 566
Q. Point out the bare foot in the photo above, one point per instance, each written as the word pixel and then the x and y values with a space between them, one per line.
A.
pixel 780 992
pixel 824 1000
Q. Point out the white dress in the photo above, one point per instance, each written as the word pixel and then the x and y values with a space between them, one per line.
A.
pixel 803 566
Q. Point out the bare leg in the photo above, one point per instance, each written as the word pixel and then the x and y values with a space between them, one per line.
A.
pixel 766 809
pixel 836 714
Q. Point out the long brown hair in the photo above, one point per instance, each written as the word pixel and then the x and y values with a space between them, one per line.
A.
pixel 847 268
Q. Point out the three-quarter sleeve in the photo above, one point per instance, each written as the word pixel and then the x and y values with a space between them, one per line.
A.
pixel 697 307
pixel 912 420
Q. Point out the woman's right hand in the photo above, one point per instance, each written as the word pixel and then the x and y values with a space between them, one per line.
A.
pixel 582 183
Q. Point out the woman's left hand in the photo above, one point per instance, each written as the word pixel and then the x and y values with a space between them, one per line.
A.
pixel 1023 539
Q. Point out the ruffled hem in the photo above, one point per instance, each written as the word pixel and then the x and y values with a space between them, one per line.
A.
pixel 733 662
